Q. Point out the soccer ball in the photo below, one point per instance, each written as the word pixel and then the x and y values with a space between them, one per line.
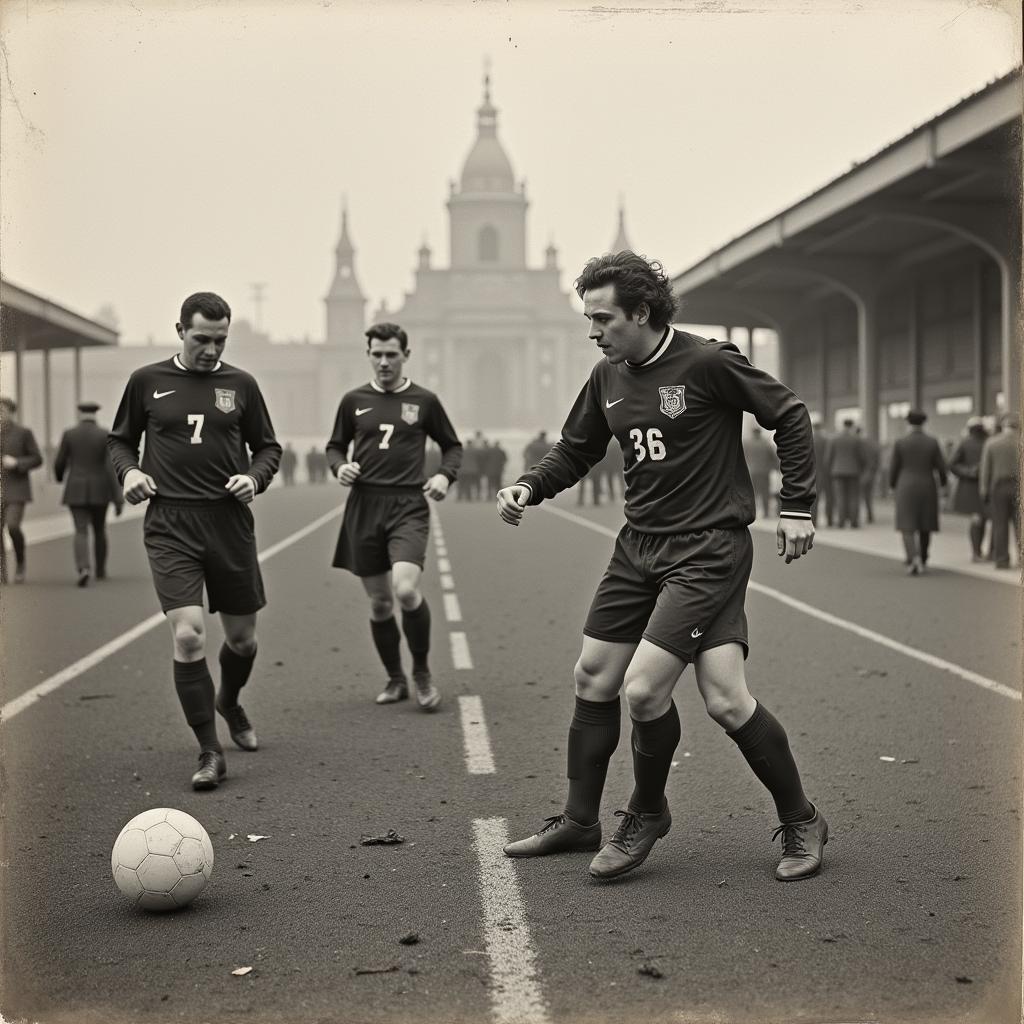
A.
pixel 162 859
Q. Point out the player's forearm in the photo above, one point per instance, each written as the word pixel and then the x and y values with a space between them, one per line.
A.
pixel 563 466
pixel 123 456
pixel 264 465
pixel 451 460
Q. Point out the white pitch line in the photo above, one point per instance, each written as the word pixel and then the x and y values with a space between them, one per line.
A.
pixel 516 996
pixel 461 658
pixel 442 551
pixel 834 620
pixel 65 675
pixel 443 565
pixel 452 611
pixel 447 582
pixel 479 759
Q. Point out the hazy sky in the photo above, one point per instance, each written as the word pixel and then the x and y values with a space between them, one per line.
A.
pixel 155 148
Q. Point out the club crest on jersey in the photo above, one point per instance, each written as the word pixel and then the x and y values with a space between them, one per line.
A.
pixel 672 401
pixel 225 399
pixel 410 413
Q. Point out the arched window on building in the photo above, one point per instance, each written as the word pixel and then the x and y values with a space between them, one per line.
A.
pixel 487 244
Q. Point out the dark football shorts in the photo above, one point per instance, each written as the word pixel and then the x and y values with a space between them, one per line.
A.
pixel 195 543
pixel 382 526
pixel 683 592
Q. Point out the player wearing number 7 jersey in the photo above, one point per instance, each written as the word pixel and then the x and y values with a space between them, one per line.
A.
pixel 674 590
pixel 383 537
pixel 199 415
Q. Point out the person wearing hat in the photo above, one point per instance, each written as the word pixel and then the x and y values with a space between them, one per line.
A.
pixel 846 467
pixel 19 455
pixel 999 484
pixel 91 486
pixel 965 465
pixel 917 461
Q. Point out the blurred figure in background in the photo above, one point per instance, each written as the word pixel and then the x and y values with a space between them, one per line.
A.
pixel 870 457
pixel 845 468
pixel 917 461
pixel 999 482
pixel 494 468
pixel 536 450
pixel 91 486
pixel 610 468
pixel 823 478
pixel 19 454
pixel 965 465
pixel 288 462
pixel 469 474
pixel 761 460
pixel 312 460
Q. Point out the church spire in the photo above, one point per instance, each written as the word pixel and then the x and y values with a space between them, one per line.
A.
pixel 345 301
pixel 621 242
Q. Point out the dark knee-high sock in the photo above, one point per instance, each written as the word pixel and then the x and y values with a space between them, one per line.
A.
pixel 763 742
pixel 234 673
pixel 195 691
pixel 387 640
pixel 653 744
pixel 593 737
pixel 416 626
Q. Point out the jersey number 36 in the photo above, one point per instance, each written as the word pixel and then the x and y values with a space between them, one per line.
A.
pixel 654 447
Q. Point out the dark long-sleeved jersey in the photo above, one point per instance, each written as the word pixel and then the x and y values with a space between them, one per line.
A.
pixel 390 429
pixel 678 418
pixel 197 427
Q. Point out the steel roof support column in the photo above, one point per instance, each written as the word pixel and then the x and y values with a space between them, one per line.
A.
pixel 823 368
pixel 77 354
pixel 19 376
pixel 47 402
pixel 1011 336
pixel 867 364
pixel 978 338
pixel 914 347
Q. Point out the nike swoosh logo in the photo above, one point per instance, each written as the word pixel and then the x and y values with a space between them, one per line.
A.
pixel 162 394
pixel 608 404
pixel 359 412
pixel 696 633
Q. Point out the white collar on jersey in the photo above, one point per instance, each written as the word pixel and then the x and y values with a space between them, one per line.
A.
pixel 181 366
pixel 405 385
pixel 657 353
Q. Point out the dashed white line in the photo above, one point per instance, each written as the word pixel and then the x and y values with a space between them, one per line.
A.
pixel 443 565
pixel 460 651
pixel 452 611
pixel 834 620
pixel 65 675
pixel 479 760
pixel 447 582
pixel 516 996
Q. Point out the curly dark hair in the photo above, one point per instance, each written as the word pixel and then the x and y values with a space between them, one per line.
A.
pixel 212 306
pixel 385 332
pixel 637 280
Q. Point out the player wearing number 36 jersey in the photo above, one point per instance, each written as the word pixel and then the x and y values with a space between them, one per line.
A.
pixel 383 537
pixel 674 590
pixel 199 415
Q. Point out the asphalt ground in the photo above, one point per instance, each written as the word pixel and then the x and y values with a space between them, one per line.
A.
pixel 916 915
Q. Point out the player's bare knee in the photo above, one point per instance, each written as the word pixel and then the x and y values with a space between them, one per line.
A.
pixel 408 595
pixel 593 682
pixel 244 646
pixel 645 701
pixel 381 608
pixel 189 640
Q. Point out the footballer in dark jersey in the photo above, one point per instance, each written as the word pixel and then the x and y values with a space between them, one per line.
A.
pixel 383 537
pixel 673 592
pixel 199 415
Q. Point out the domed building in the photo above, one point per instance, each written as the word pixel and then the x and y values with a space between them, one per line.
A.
pixel 501 341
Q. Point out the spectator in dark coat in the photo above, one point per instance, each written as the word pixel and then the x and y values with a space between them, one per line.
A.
pixel 965 465
pixel 469 473
pixel 494 468
pixel 610 468
pixel 19 455
pixel 845 465
pixel 288 462
pixel 999 482
pixel 823 476
pixel 536 450
pixel 91 486
pixel 870 457
pixel 761 461
pixel 917 461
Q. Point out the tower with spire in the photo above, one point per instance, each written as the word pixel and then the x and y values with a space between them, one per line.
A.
pixel 621 243
pixel 487 210
pixel 345 301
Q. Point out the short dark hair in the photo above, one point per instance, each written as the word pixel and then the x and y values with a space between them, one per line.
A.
pixel 385 332
pixel 212 306
pixel 636 279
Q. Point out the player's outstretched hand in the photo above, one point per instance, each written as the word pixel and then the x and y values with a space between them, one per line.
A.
pixel 138 486
pixel 242 487
pixel 795 537
pixel 512 503
pixel 347 473
pixel 436 487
